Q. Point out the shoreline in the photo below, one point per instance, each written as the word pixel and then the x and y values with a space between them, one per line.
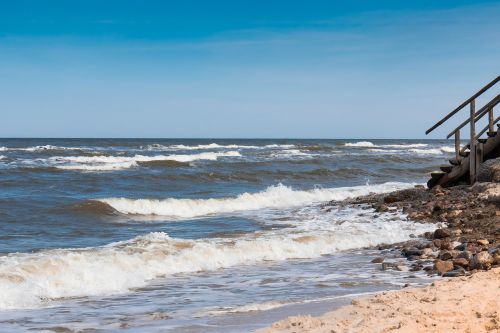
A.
pixel 464 248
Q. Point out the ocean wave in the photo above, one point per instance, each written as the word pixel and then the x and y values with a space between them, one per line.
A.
pixel 2 157
pixel 360 144
pixel 434 151
pixel 368 144
pixel 213 146
pixel 31 280
pixel 291 153
pixel 109 163
pixel 278 196
pixel 39 148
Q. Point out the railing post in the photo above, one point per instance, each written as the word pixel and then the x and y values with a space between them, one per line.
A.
pixel 472 153
pixel 457 145
pixel 490 120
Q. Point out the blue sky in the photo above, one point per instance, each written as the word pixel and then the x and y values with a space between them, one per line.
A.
pixel 269 69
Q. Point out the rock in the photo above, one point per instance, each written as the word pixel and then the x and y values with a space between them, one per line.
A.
pixel 388 265
pixel 482 260
pixel 382 208
pixel 437 243
pixel 445 245
pixel 482 242
pixel 455 245
pixel 443 266
pixel 391 198
pixel 412 251
pixel 445 255
pixel 378 260
pixel 442 233
pixel 466 255
pixel 455 273
pixel 461 262
pixel 402 268
pixel 495 256
pixel 426 252
pixel 489 171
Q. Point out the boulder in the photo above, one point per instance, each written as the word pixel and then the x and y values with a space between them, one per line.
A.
pixel 482 260
pixel 442 233
pixel 443 266
pixel 467 255
pixel 445 255
pixel 489 171
pixel 460 262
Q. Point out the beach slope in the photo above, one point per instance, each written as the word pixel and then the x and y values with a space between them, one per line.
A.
pixel 464 304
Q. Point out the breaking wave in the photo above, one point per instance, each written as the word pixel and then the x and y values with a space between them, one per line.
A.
pixel 31 280
pixel 368 144
pixel 39 148
pixel 360 144
pixel 278 196
pixel 213 146
pixel 109 163
pixel 435 151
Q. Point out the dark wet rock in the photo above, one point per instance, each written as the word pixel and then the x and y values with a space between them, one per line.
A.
pixel 412 251
pixel 455 273
pixel 442 233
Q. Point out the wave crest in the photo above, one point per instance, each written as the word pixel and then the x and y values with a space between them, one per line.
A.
pixel 278 196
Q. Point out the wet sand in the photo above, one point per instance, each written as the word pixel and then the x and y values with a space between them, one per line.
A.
pixel 464 304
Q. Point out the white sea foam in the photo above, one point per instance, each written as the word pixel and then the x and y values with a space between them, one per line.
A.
pixel 2 157
pixel 108 163
pixel 368 144
pixel 278 196
pixel 38 148
pixel 30 280
pixel 402 146
pixel 360 144
pixel 213 146
pixel 434 151
pixel 288 153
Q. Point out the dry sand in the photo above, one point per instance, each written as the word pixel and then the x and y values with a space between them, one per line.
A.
pixel 464 304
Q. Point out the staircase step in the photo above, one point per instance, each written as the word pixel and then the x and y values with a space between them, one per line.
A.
pixel 482 140
pixel 446 168
pixel 454 161
pixel 437 174
pixel 465 153
pixel 492 134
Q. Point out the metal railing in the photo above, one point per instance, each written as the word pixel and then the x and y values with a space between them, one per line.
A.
pixel 474 146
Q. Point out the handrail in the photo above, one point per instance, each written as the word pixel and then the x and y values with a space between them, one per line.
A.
pixel 461 106
pixel 486 128
pixel 479 114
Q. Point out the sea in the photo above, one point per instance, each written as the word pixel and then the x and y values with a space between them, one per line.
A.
pixel 188 235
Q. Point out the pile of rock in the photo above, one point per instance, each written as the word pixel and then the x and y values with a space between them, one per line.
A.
pixel 449 254
pixel 471 239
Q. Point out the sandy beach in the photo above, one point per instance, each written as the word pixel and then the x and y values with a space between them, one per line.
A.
pixel 464 304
